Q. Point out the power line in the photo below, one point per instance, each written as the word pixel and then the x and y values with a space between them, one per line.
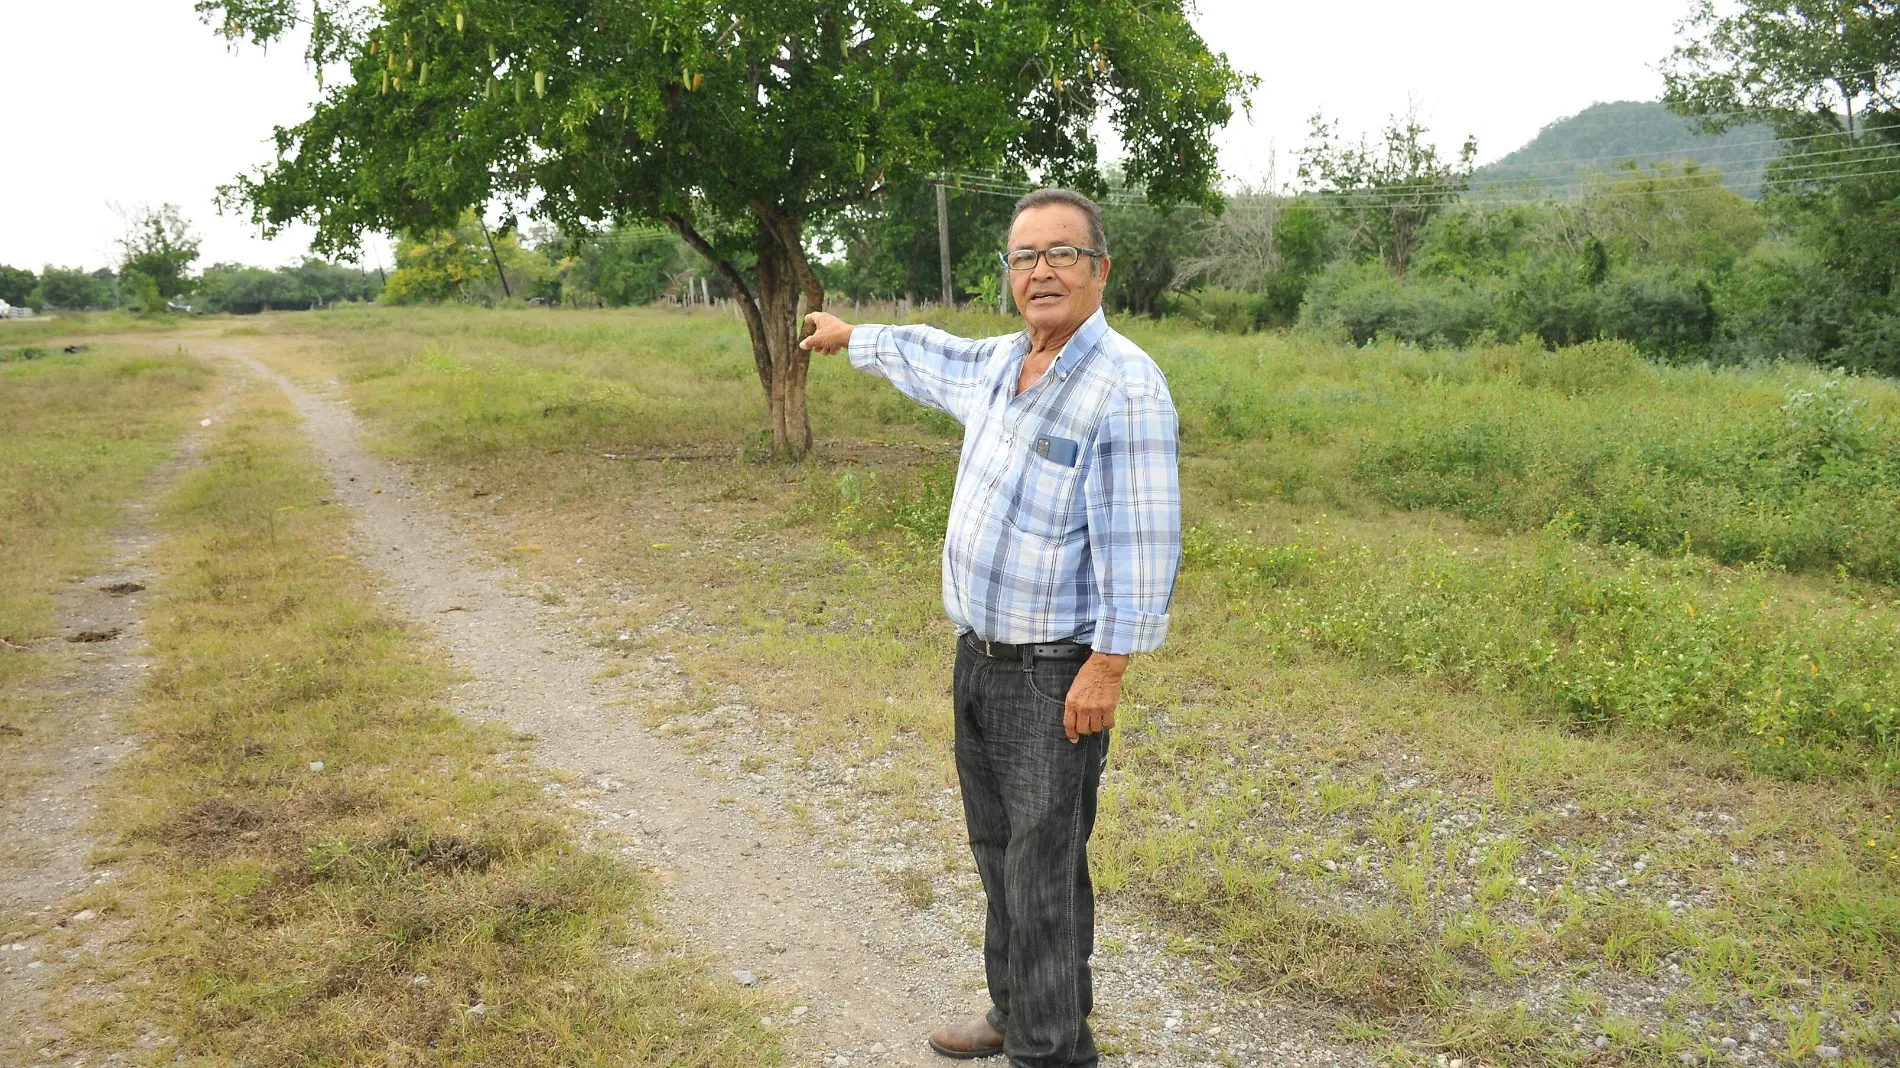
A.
pixel 1668 152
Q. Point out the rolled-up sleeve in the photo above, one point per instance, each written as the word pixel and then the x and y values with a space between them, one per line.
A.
pixel 1134 522
pixel 927 365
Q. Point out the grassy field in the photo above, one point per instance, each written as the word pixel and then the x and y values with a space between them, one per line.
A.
pixel 78 435
pixel 319 863
pixel 1532 707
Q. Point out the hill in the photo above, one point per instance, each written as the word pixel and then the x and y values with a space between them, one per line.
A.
pixel 1602 135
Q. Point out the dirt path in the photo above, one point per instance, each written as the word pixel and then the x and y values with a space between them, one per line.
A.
pixel 44 842
pixel 867 977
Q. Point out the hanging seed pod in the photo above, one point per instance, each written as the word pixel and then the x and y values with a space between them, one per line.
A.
pixel 458 22
pixel 877 98
pixel 399 85
pixel 491 54
pixel 698 80
pixel 488 89
pixel 391 65
pixel 424 78
pixel 409 65
pixel 373 46
pixel 385 83
pixel 1058 79
pixel 860 161
pixel 540 83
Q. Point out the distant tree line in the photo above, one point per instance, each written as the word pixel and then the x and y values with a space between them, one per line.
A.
pixel 158 252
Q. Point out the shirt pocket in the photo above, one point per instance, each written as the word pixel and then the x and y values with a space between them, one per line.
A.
pixel 1047 500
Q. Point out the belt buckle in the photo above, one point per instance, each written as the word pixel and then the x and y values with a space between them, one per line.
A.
pixel 989 648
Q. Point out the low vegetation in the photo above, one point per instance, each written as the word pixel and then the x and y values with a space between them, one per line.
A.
pixel 321 864
pixel 82 432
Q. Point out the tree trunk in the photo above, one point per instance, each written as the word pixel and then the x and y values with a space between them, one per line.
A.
pixel 774 312
pixel 782 307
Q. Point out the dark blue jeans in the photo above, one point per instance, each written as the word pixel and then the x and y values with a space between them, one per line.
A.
pixel 1029 799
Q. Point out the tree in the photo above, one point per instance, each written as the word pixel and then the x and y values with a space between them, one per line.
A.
pixel 1825 74
pixel 618 267
pixel 15 284
pixel 891 247
pixel 158 245
pixel 466 261
pixel 1385 192
pixel 233 287
pixel 740 124
pixel 70 288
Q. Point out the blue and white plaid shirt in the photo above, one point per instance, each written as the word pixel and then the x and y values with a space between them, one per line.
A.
pixel 1066 521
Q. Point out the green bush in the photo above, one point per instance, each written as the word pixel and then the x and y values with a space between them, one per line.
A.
pixel 1668 314
pixel 1807 481
pixel 1230 311
pixel 1590 636
pixel 1363 302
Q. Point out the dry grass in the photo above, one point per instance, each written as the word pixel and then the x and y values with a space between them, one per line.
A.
pixel 322 865
pixel 78 434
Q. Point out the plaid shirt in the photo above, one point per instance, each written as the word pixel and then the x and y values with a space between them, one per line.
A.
pixel 1066 520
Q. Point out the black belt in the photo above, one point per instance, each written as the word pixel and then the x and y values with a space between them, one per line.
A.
pixel 1038 651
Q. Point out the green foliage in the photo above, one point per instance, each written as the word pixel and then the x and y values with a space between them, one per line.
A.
pixel 160 248
pixel 1667 216
pixel 1806 479
pixel 459 264
pixel 314 283
pixel 73 289
pixel 1828 74
pixel 1148 245
pixel 890 244
pixel 16 283
pixel 741 124
pixel 1230 311
pixel 1386 192
pixel 1363 302
pixel 619 267
pixel 1595 636
pixel 141 293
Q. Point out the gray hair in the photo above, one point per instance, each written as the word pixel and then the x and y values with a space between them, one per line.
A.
pixel 1098 238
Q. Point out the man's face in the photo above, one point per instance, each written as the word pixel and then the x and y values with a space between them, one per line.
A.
pixel 1056 299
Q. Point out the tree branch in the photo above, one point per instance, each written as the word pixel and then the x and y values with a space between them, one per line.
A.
pixel 787 232
pixel 748 301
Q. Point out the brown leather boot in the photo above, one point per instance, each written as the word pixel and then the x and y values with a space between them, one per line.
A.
pixel 967 1040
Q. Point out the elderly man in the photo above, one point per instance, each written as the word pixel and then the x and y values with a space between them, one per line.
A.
pixel 1059 562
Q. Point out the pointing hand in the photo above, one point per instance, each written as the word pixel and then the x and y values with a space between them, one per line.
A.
pixel 828 333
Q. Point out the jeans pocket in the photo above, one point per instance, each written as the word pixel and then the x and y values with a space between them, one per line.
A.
pixel 1049 681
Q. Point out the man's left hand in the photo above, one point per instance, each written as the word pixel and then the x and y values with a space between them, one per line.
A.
pixel 1090 708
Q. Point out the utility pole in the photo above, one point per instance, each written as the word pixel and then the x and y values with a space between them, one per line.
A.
pixel 499 273
pixel 943 239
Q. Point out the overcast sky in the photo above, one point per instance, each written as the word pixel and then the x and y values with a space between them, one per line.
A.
pixel 135 101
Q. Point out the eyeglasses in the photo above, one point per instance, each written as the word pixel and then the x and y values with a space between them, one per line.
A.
pixel 1024 259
